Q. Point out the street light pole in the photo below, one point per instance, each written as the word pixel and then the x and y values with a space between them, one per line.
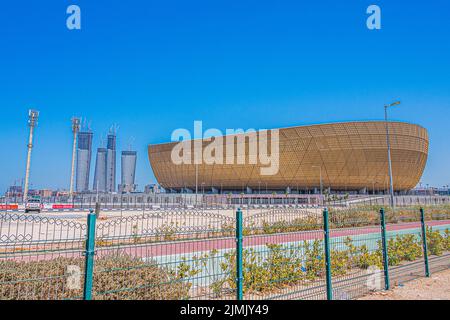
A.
pixel 321 181
pixel 391 187
pixel 196 184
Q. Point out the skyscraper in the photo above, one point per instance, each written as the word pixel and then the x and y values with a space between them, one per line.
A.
pixel 100 171
pixel 111 162
pixel 128 171
pixel 84 154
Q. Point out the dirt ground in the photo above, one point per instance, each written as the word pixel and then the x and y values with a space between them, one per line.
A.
pixel 435 288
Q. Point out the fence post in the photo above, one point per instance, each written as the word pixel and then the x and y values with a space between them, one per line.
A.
pixel 424 242
pixel 387 285
pixel 239 258
pixel 89 256
pixel 326 230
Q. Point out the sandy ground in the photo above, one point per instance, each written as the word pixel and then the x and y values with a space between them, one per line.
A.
pixel 435 288
pixel 72 224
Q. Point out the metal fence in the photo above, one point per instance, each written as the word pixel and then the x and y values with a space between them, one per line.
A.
pixel 176 255
pixel 41 258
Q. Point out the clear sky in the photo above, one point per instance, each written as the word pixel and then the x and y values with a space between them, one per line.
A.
pixel 154 66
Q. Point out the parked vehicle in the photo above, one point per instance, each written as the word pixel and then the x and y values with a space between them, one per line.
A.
pixel 33 204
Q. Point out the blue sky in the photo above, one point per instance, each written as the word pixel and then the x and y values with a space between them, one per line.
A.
pixel 154 66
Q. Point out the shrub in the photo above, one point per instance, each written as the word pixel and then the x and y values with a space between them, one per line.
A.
pixel 447 238
pixel 339 263
pixel 285 265
pixel 354 217
pixel 299 224
pixel 366 259
pixel 115 277
pixel 404 248
pixel 314 262
pixel 361 257
pixel 436 242
pixel 282 266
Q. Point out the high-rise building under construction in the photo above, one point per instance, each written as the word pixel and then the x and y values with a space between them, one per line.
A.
pixel 111 162
pixel 84 154
pixel 99 184
pixel 128 171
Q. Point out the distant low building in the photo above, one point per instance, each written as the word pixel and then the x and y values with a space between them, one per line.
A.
pixel 62 193
pixel 14 191
pixel 46 193
pixel 152 188
pixel 33 192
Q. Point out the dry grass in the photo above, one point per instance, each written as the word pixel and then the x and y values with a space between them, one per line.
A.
pixel 115 277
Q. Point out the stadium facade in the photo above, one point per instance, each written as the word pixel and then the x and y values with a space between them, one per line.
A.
pixel 350 156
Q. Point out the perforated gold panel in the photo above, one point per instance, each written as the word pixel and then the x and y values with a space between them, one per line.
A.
pixel 351 156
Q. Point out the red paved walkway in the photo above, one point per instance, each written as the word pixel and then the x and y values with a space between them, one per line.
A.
pixel 205 245
pixel 164 249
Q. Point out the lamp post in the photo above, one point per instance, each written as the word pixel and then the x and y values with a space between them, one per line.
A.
pixel 391 187
pixel 321 182
pixel 203 194
pixel 259 191
pixel 196 181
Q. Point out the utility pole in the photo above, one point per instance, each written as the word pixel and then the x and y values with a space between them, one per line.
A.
pixel 391 187
pixel 33 116
pixel 75 129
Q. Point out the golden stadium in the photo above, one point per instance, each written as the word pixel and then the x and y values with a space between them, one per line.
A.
pixel 348 156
